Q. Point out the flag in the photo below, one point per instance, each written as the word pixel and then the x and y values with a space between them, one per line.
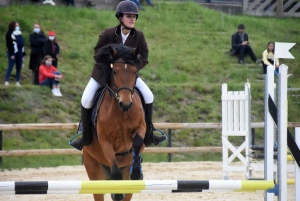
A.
pixel 282 50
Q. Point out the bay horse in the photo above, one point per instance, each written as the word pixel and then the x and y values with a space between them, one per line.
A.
pixel 114 153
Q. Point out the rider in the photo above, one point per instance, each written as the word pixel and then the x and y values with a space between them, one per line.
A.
pixel 127 14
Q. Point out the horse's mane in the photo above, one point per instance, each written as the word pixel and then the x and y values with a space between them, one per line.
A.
pixel 104 55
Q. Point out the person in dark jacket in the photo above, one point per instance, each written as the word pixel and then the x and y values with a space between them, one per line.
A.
pixel 240 45
pixel 15 51
pixel 124 33
pixel 52 48
pixel 37 43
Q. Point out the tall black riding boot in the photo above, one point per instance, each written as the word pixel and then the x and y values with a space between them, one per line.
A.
pixel 86 138
pixel 150 137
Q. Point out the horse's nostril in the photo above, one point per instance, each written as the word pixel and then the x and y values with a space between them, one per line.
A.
pixel 121 104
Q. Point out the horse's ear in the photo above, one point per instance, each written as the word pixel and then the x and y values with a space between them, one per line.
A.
pixel 112 51
pixel 136 51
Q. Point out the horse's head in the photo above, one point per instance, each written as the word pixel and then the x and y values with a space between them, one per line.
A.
pixel 122 61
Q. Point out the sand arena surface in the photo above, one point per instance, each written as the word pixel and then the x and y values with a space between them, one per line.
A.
pixel 152 171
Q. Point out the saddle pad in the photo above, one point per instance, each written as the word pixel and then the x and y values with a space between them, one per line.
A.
pixel 96 104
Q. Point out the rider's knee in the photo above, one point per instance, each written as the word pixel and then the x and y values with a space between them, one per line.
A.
pixel 148 97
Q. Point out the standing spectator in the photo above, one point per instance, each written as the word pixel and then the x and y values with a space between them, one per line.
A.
pixel 49 2
pixel 52 48
pixel 37 42
pixel 268 59
pixel 15 51
pixel 240 45
pixel 70 2
pixel 138 4
pixel 49 76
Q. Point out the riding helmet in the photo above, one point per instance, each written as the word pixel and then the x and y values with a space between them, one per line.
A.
pixel 127 7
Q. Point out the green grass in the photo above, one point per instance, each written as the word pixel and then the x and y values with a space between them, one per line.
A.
pixel 188 62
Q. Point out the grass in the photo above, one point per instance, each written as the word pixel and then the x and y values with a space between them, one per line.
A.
pixel 188 62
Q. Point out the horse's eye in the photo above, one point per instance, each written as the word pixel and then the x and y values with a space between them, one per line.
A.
pixel 135 72
pixel 115 73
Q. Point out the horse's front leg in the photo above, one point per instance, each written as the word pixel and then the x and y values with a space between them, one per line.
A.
pixel 116 173
pixel 136 172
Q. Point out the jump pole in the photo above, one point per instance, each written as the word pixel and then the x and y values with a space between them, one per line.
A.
pixel 282 133
pixel 129 186
pixel 269 131
pixel 297 169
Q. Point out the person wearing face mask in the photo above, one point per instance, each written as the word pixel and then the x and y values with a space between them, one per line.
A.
pixel 15 51
pixel 52 48
pixel 37 42
pixel 127 13
pixel 49 76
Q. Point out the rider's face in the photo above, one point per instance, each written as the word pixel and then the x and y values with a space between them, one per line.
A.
pixel 129 20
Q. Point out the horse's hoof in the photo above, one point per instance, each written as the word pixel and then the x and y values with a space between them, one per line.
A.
pixel 117 197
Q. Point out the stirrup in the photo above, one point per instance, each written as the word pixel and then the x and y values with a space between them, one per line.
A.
pixel 71 140
pixel 162 134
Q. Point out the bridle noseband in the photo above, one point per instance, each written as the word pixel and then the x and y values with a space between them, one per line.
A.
pixel 116 89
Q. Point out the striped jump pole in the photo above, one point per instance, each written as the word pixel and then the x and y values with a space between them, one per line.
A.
pixel 129 186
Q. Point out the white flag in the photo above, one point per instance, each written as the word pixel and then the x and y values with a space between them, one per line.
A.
pixel 282 50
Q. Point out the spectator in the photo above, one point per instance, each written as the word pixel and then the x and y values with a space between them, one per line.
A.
pixel 137 3
pixel 150 3
pixel 268 59
pixel 70 2
pixel 127 13
pixel 52 48
pixel 49 76
pixel 240 45
pixel 37 42
pixel 49 2
pixel 90 3
pixel 15 51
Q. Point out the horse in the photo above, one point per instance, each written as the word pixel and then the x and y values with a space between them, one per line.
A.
pixel 115 153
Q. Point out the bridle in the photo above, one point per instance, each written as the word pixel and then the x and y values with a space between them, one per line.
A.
pixel 118 89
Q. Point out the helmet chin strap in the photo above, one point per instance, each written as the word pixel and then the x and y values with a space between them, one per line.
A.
pixel 124 27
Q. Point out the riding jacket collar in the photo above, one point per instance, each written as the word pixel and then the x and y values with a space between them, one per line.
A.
pixel 118 31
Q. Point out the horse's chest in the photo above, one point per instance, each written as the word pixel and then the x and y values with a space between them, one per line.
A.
pixel 120 127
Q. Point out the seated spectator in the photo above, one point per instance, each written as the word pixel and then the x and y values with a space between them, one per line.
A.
pixel 240 45
pixel 268 59
pixel 49 76
pixel 52 48
pixel 15 51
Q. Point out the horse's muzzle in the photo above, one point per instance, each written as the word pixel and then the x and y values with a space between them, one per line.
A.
pixel 125 107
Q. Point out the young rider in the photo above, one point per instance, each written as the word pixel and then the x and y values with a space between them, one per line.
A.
pixel 125 33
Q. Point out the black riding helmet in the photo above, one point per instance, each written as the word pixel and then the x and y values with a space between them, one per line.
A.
pixel 126 7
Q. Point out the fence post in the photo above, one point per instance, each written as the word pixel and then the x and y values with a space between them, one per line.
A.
pixel 279 10
pixel 169 144
pixel 252 136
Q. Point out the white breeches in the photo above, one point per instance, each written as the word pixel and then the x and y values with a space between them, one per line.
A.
pixel 146 92
pixel 92 87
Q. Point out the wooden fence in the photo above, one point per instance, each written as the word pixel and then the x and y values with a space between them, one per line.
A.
pixel 70 126
pixel 279 8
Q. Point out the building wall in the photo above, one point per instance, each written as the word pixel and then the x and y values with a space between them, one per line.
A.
pixel 97 4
